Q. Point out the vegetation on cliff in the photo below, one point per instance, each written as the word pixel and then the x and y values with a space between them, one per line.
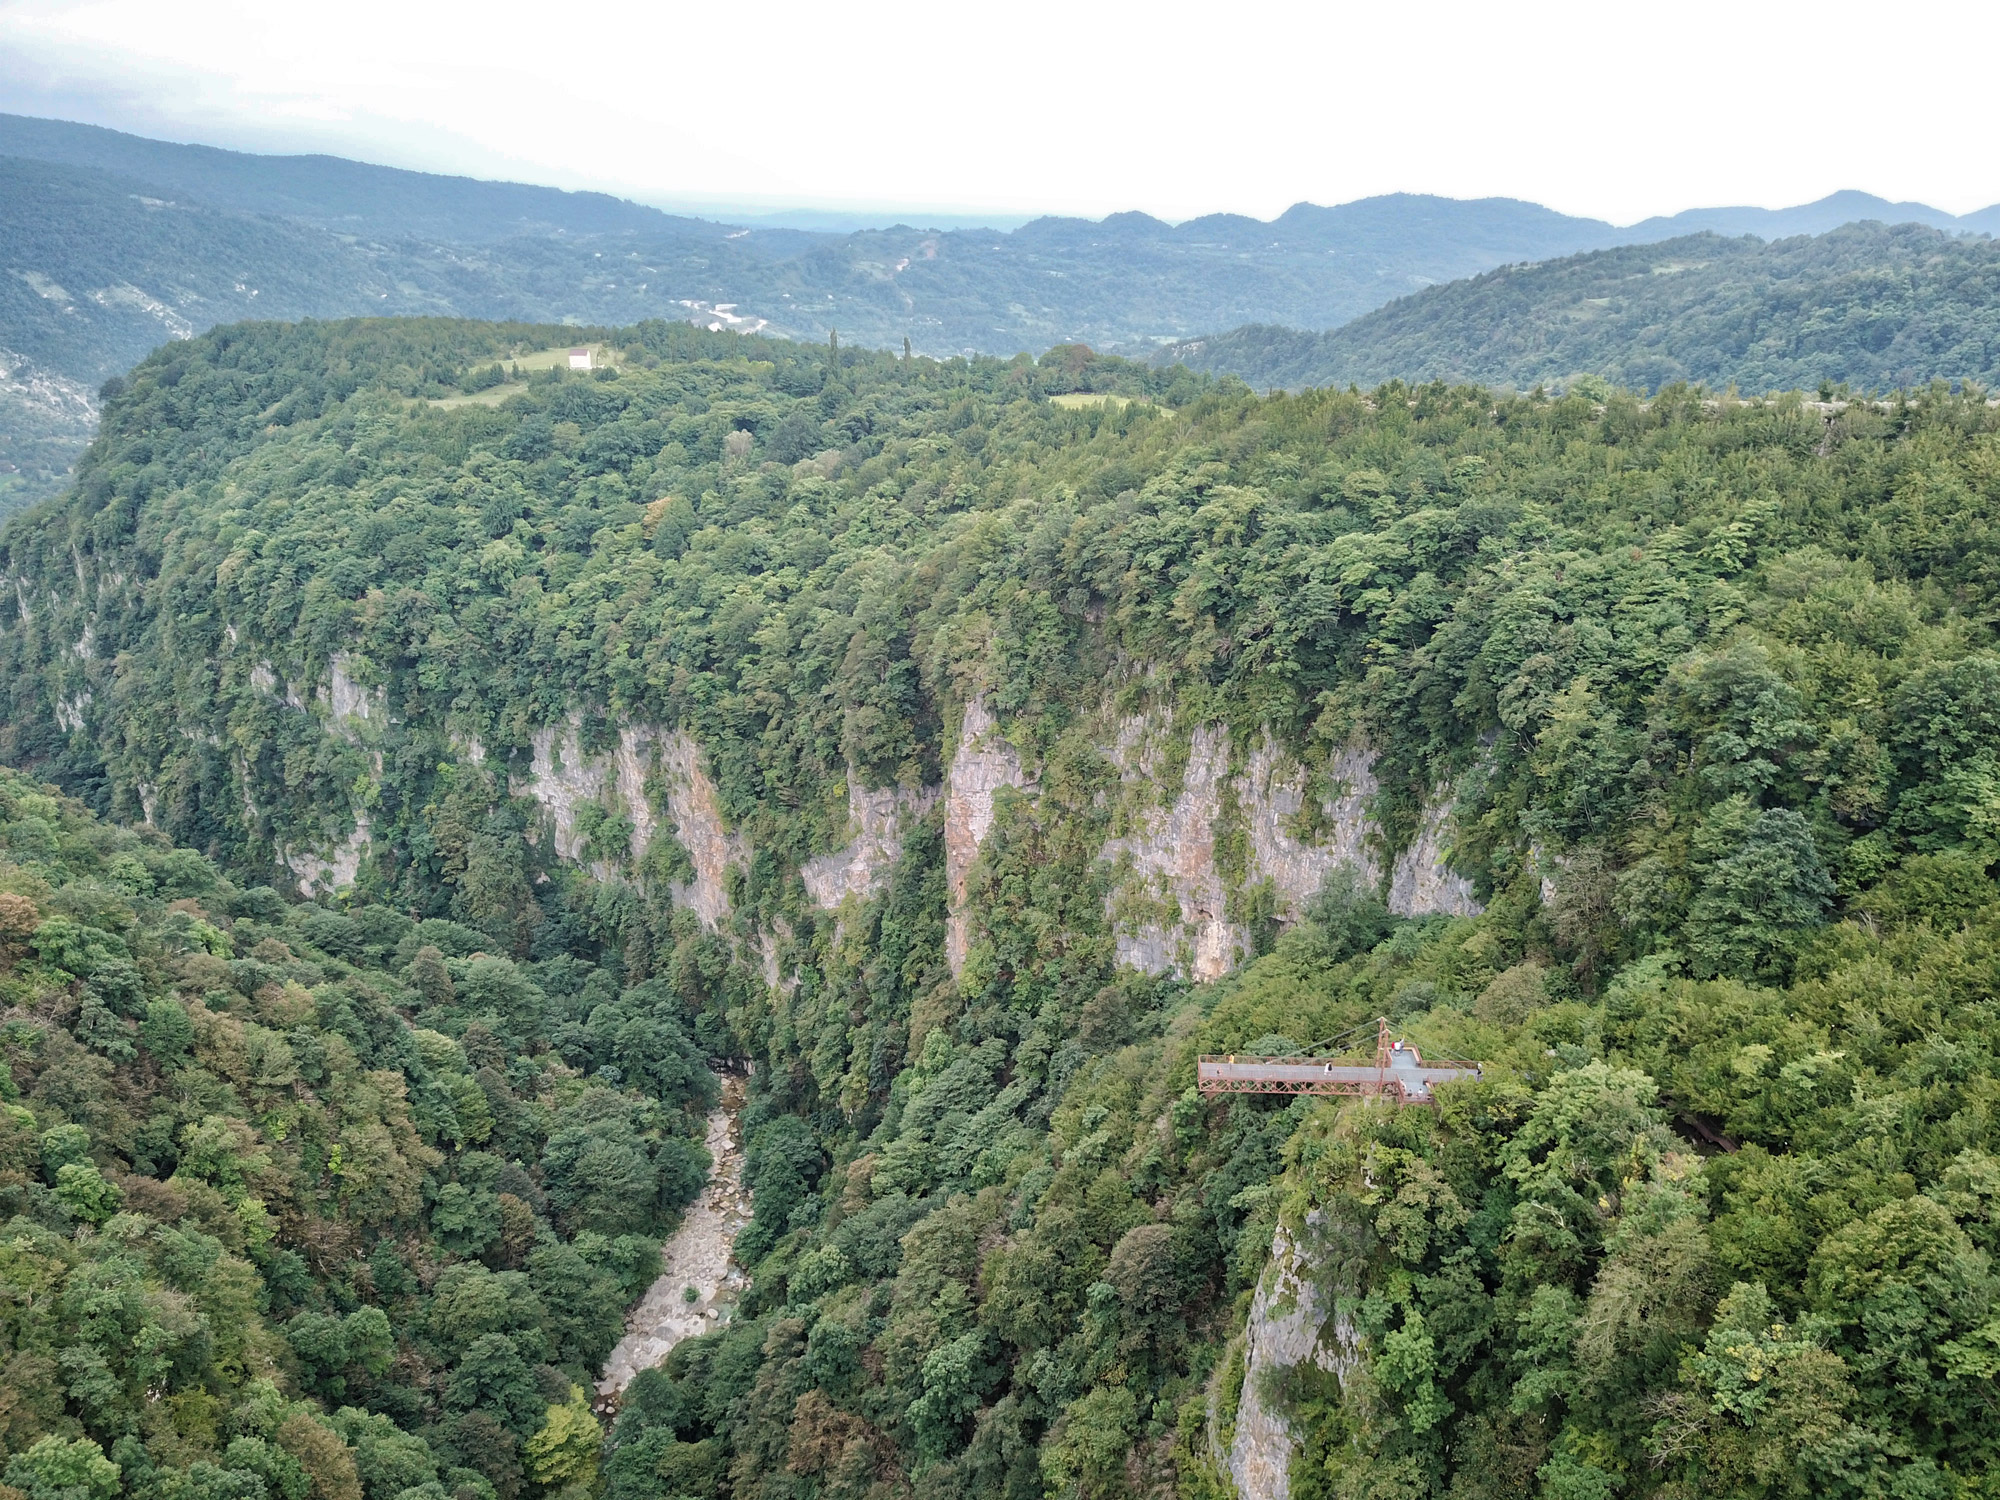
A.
pixel 1714 686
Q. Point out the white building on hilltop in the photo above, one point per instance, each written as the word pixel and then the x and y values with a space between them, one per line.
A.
pixel 579 359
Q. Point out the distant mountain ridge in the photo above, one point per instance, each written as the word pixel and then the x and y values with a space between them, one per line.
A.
pixel 334 192
pixel 1817 217
pixel 111 243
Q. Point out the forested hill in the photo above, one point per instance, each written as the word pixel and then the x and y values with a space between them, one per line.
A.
pixel 969 745
pixel 114 244
pixel 1867 306
pixel 111 244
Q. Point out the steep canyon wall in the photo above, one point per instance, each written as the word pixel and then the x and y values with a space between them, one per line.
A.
pixel 1209 836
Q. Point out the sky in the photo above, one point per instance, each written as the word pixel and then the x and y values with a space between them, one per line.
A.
pixel 1618 111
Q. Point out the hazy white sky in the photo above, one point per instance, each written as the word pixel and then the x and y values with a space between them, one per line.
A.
pixel 1615 110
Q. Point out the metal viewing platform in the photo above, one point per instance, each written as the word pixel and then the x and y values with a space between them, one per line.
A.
pixel 1398 1072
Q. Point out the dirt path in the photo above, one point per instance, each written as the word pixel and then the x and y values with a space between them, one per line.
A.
pixel 697 1256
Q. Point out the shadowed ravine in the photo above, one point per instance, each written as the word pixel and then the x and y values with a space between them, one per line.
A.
pixel 697 1256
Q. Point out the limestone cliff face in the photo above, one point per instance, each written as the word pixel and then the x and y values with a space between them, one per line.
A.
pixel 564 779
pixel 349 710
pixel 321 874
pixel 1294 1318
pixel 1204 830
pixel 875 824
pixel 1273 795
pixel 983 763
pixel 1172 906
pixel 348 704
pixel 1422 882
pixel 698 823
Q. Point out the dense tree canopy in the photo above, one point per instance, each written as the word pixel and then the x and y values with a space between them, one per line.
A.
pixel 1867 307
pixel 281 1221
pixel 1713 686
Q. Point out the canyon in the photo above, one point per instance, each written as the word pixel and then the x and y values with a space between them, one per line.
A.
pixel 1202 822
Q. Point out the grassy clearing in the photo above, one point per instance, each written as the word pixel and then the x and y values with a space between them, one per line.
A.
pixel 602 356
pixel 1078 399
pixel 558 358
pixel 491 396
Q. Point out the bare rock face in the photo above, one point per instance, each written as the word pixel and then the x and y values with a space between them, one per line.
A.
pixel 1172 857
pixel 1170 905
pixel 1171 908
pixel 697 813
pixel 323 874
pixel 357 714
pixel 875 821
pixel 564 779
pixel 1422 882
pixel 349 705
pixel 631 761
pixel 1288 1326
pixel 70 709
pixel 1273 794
pixel 984 763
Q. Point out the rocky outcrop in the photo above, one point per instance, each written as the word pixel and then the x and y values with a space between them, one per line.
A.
pixel 565 779
pixel 349 705
pixel 875 823
pixel 1548 868
pixel 1288 1326
pixel 70 710
pixel 1172 907
pixel 698 823
pixel 1422 881
pixel 1173 915
pixel 264 678
pixel 1273 794
pixel 323 874
pixel 984 762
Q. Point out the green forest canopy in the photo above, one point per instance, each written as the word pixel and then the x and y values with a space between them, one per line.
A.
pixel 1715 683
pixel 1866 306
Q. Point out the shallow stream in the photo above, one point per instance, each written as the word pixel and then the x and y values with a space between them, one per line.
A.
pixel 696 1259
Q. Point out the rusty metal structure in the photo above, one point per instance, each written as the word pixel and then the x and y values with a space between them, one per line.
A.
pixel 1399 1072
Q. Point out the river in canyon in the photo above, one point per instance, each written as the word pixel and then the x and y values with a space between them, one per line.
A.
pixel 696 1258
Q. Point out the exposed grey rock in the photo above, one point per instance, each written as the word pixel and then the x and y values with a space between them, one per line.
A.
pixel 875 821
pixel 1294 1317
pixel 984 762
pixel 321 874
pixel 1422 882
pixel 1170 906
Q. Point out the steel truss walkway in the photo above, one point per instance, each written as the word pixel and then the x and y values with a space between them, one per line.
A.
pixel 1398 1072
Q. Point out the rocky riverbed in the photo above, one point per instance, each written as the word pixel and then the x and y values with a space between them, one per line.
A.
pixel 697 1257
